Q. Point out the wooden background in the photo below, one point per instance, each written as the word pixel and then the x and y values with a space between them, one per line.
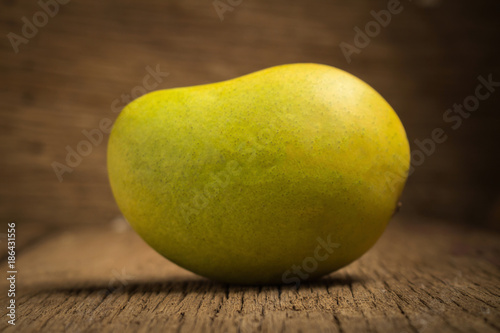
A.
pixel 65 79
pixel 420 277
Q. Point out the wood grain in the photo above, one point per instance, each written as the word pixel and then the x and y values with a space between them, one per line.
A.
pixel 425 277
pixel 67 76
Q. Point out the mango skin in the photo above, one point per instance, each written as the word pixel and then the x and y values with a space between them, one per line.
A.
pixel 236 180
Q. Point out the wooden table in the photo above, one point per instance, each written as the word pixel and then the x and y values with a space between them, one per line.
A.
pixel 425 277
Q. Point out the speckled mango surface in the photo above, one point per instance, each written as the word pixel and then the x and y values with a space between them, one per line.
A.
pixel 279 176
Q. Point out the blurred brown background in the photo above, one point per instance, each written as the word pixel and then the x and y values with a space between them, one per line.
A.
pixel 66 77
